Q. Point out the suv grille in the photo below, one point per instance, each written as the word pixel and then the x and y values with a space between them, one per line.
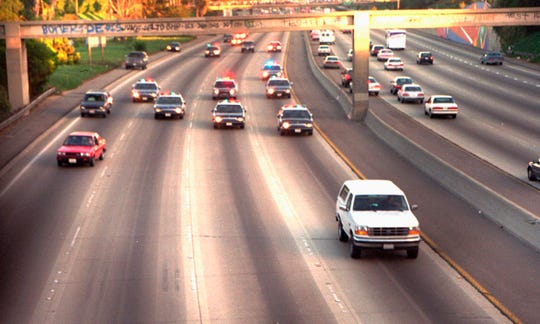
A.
pixel 388 231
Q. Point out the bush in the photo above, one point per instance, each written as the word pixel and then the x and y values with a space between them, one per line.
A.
pixel 5 106
pixel 139 45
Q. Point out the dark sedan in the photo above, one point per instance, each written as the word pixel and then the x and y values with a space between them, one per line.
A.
pixel 533 170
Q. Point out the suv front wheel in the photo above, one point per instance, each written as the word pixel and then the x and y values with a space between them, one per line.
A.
pixel 355 252
pixel 341 233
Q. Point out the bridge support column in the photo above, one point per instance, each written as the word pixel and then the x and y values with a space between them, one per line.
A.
pixel 360 66
pixel 17 67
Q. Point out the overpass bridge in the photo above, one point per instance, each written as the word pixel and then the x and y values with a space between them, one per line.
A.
pixel 361 22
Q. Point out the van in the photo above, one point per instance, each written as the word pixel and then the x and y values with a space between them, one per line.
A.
pixel 327 37
pixel 375 214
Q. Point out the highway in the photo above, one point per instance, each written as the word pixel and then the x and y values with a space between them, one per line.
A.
pixel 185 223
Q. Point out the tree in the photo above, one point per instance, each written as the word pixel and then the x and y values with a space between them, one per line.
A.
pixel 11 10
pixel 41 64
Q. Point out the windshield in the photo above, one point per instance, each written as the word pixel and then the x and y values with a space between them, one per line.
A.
pixel 296 114
pixel 379 202
pixel 229 108
pixel 146 86
pixel 224 84
pixel 94 97
pixel 443 100
pixel 413 89
pixel 79 141
pixel 272 67
pixel 279 83
pixel 169 100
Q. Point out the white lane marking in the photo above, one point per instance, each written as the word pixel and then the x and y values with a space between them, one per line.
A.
pixel 74 239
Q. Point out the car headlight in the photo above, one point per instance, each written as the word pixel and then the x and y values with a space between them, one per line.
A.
pixel 270 91
pixel 309 125
pixel 232 91
pixel 287 90
pixel 135 94
pixel 61 153
pixel 178 110
pixel 218 119
pixel 157 109
pixel 216 91
pixel 286 125
pixel 154 95
pixel 240 119
pixel 82 107
pixel 85 154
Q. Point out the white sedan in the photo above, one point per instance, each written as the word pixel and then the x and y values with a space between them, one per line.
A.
pixel 384 54
pixel 324 50
pixel 331 62
pixel 410 92
pixel 441 105
pixel 394 63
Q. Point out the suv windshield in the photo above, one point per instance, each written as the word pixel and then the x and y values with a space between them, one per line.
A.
pixel 379 202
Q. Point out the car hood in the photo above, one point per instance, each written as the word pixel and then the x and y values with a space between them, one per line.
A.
pixel 385 218
pixel 75 149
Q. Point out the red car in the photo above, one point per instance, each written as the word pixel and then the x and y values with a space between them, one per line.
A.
pixel 81 148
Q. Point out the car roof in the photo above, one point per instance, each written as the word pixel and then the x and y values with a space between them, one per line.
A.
pixel 373 187
pixel 83 133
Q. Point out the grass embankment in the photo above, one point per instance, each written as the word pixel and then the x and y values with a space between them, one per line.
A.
pixel 528 48
pixel 111 56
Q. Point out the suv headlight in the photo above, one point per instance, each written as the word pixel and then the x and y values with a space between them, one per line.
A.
pixel 361 230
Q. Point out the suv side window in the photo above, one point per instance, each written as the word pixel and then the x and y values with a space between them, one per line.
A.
pixel 343 193
pixel 348 205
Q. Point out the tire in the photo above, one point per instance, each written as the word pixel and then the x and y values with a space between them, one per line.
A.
pixel 59 163
pixel 454 116
pixel 91 163
pixel 530 174
pixel 421 101
pixel 102 156
pixel 354 251
pixel 412 253
pixel 82 115
pixel 342 236
pixel 310 133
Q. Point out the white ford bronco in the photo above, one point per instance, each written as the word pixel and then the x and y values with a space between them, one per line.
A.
pixel 375 214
